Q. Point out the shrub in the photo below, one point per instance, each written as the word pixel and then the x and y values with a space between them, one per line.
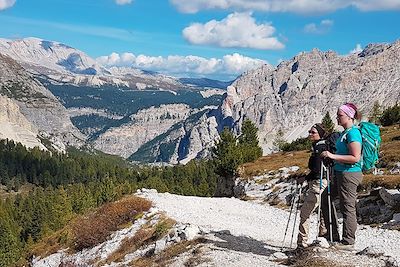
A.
pixel 390 116
pixel 97 226
pixel 302 143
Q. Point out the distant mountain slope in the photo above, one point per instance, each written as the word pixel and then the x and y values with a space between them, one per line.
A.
pixel 38 54
pixel 204 82
pixel 107 104
pixel 32 109
pixel 58 62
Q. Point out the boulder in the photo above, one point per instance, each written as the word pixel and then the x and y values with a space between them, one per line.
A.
pixel 372 209
pixel 390 196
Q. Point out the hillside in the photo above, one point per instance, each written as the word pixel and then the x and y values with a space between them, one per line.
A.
pixel 116 109
pixel 249 231
pixel 29 111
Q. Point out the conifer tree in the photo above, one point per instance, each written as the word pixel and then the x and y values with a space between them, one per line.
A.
pixel 278 141
pixel 248 142
pixel 9 241
pixel 226 154
pixel 327 123
pixel 227 158
pixel 375 113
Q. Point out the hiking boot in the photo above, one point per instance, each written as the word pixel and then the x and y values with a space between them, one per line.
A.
pixel 323 234
pixel 342 246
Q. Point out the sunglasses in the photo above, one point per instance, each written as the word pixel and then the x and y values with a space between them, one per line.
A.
pixel 312 132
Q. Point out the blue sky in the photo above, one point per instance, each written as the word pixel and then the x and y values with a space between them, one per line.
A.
pixel 202 38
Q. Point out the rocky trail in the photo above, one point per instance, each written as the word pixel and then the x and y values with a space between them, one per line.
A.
pixel 242 232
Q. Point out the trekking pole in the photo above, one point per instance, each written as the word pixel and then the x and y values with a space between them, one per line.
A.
pixel 319 200
pixel 329 203
pixel 295 214
pixel 290 214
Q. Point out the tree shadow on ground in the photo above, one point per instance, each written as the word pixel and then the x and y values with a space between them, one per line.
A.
pixel 242 243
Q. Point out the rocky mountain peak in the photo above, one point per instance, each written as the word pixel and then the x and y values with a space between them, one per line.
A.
pixel 38 53
pixel 298 92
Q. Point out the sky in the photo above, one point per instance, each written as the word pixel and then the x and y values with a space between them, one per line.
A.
pixel 217 39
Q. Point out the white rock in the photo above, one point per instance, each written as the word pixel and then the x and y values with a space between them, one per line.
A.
pixel 279 256
pixel 190 232
pixel 322 242
pixel 160 245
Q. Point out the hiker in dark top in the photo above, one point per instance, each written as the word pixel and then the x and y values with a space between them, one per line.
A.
pixel 311 200
pixel 347 176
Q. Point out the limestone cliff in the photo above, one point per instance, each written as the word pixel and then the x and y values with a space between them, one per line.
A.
pixel 38 110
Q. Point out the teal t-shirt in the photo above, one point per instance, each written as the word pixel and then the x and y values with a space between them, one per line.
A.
pixel 346 137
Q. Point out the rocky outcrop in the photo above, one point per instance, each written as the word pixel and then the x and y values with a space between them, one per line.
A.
pixel 184 141
pixel 143 127
pixel 298 92
pixel 47 117
pixel 15 126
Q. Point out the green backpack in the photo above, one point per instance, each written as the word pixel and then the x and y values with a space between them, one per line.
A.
pixel 371 141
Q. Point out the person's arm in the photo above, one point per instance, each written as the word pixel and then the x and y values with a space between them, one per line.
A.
pixel 353 156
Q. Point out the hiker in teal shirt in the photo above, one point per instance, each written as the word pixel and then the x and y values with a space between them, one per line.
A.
pixel 347 137
pixel 347 176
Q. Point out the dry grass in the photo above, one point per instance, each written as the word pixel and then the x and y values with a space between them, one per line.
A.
pixel 144 236
pixel 310 259
pixel 274 162
pixel 52 243
pixel 92 229
pixel 390 148
pixel 96 227
pixel 387 181
pixel 196 258
pixel 165 257
pixel 129 245
pixel 276 188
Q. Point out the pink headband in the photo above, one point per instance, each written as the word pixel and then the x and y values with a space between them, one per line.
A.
pixel 349 111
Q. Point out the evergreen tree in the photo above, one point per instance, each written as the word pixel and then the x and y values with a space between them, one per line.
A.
pixel 278 141
pixel 390 116
pixel 248 142
pixel 375 113
pixel 226 155
pixel 328 123
pixel 61 208
pixel 227 158
pixel 9 241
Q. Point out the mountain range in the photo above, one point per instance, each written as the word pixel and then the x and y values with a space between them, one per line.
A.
pixel 54 92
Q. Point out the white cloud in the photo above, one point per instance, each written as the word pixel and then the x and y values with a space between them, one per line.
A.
pixel 356 50
pixel 4 4
pixel 123 2
pixel 183 66
pixel 236 30
pixel 294 6
pixel 323 27
pixel 371 5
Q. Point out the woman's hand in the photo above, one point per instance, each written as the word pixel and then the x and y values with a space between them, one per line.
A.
pixel 327 154
pixel 301 179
